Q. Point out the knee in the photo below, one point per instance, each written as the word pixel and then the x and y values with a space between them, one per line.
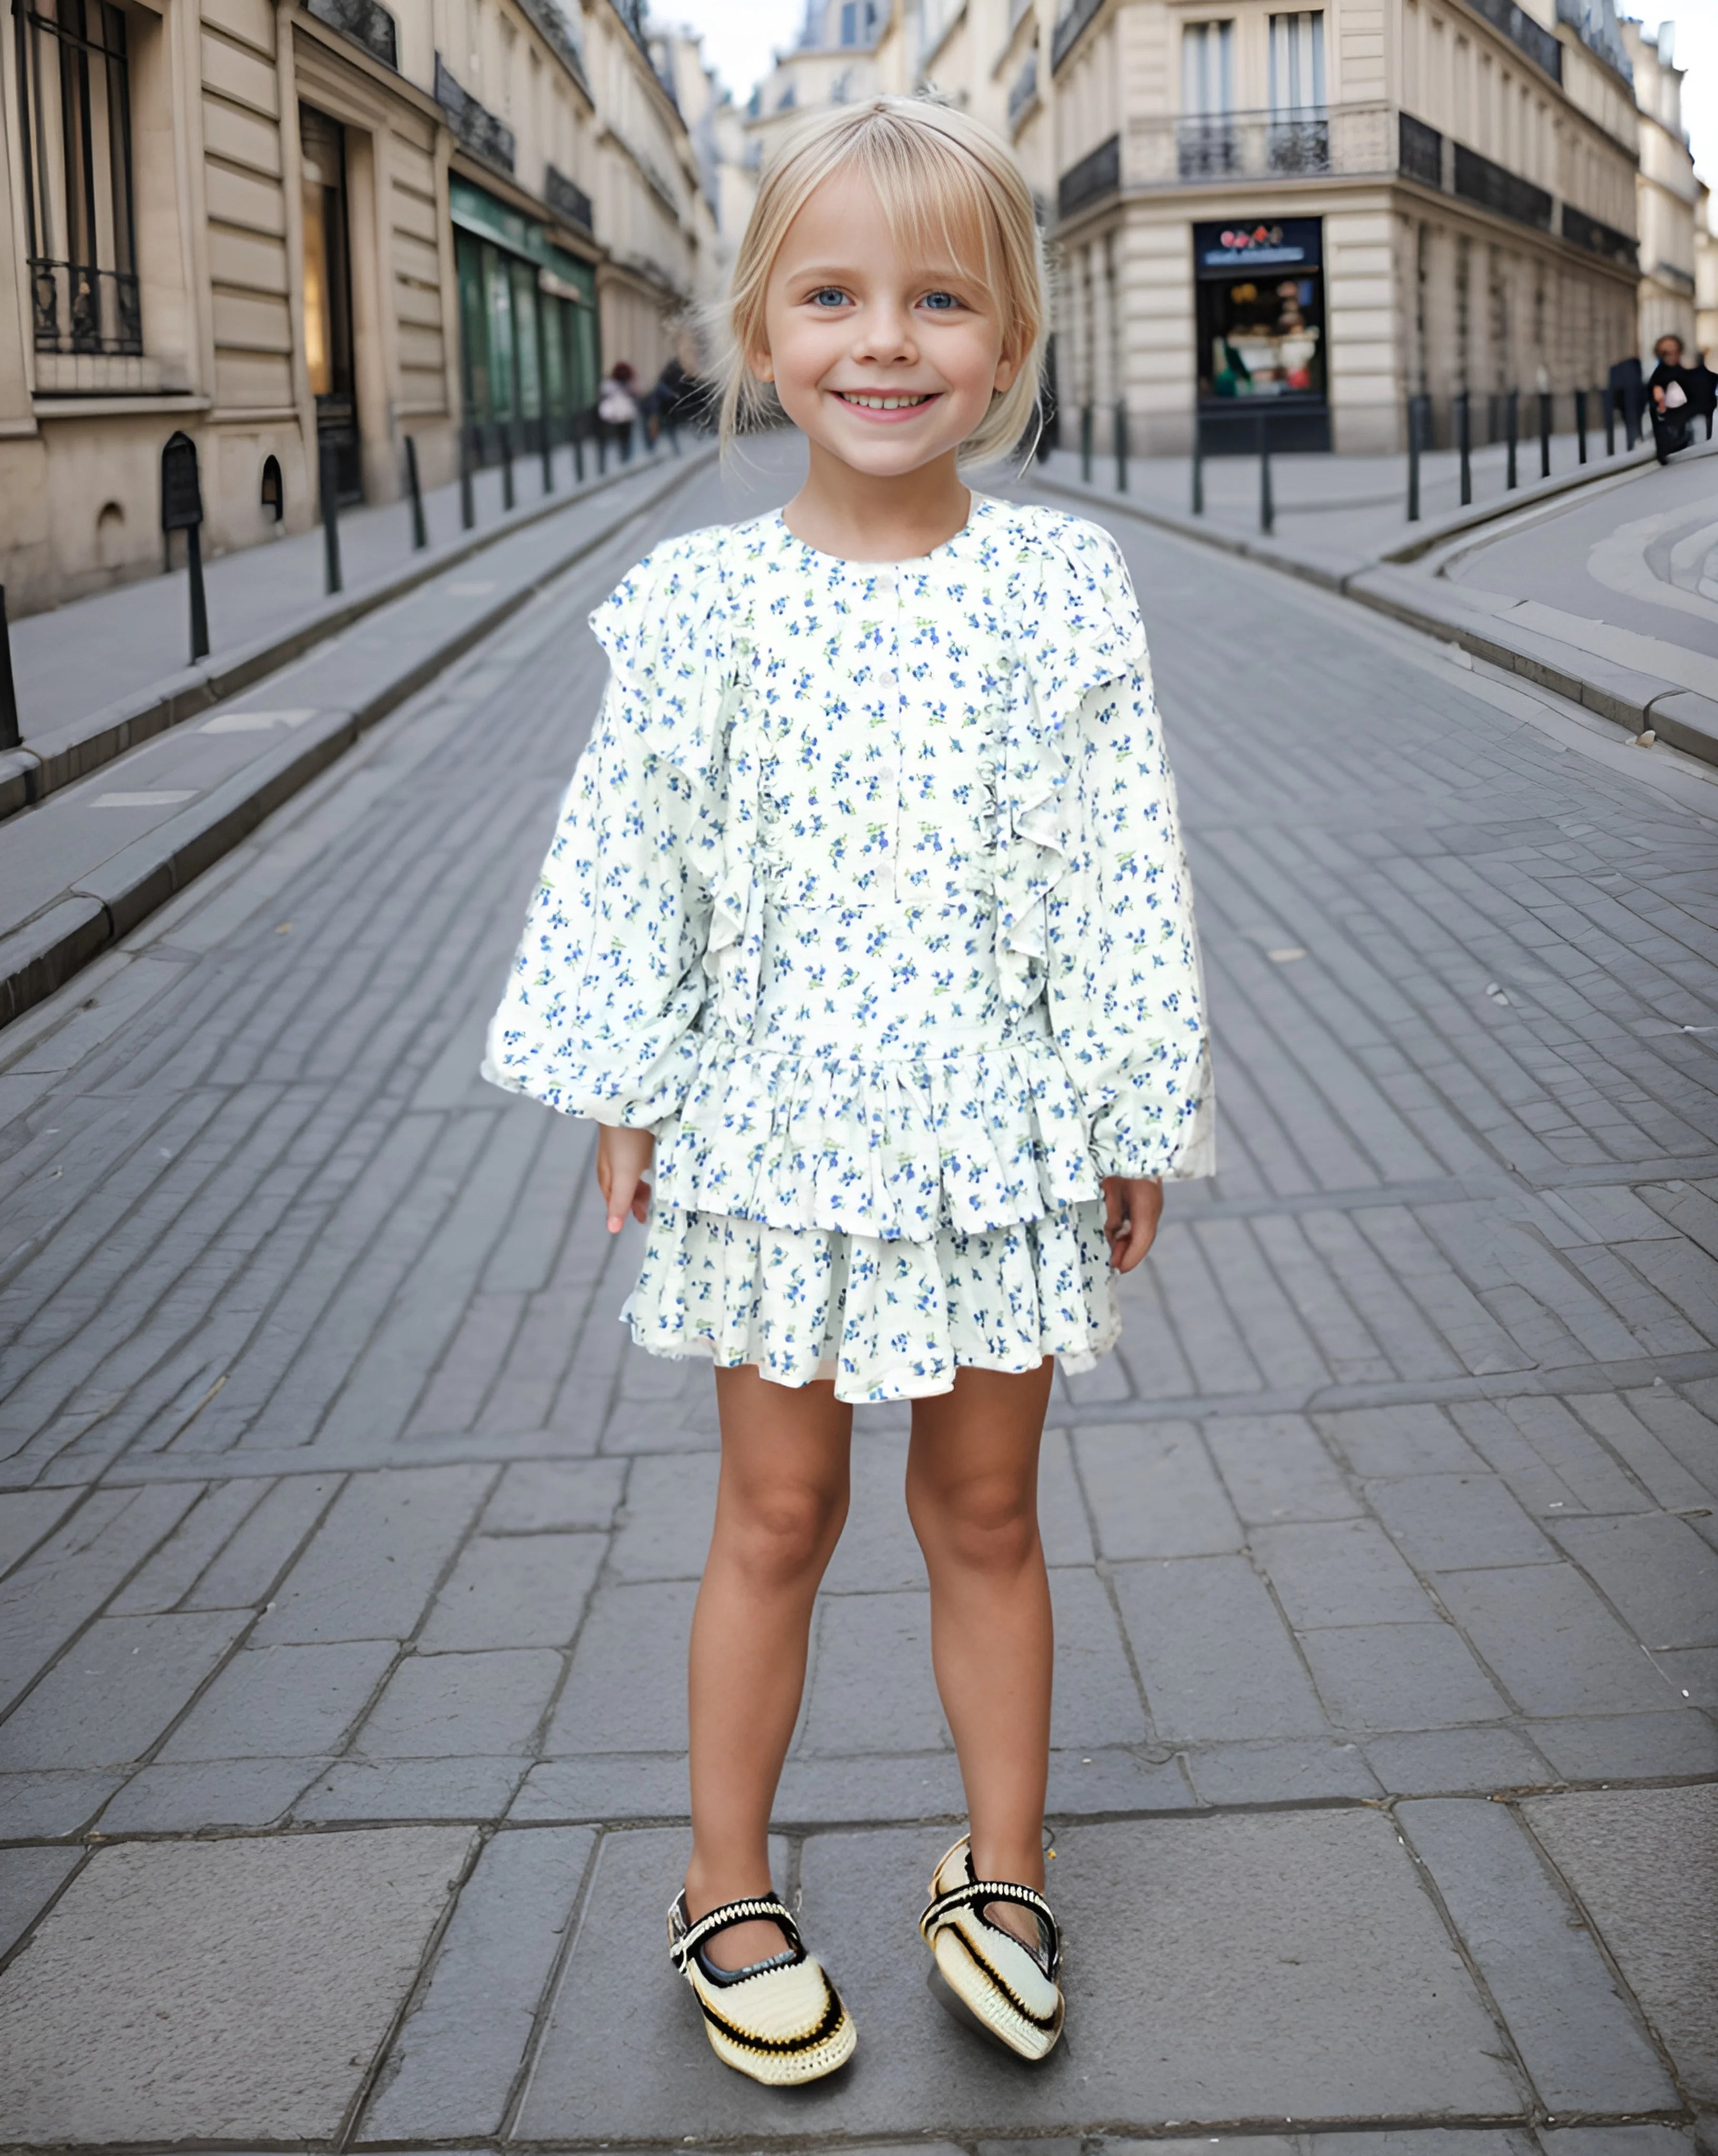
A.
pixel 778 1535
pixel 985 1523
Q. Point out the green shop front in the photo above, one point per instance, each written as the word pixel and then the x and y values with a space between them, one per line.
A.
pixel 528 342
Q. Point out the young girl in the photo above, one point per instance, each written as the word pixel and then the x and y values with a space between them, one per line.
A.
pixel 867 919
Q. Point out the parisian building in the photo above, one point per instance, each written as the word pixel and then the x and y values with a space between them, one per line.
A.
pixel 1667 207
pixel 1302 215
pixel 304 232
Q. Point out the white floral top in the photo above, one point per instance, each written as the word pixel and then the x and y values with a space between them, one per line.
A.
pixel 869 896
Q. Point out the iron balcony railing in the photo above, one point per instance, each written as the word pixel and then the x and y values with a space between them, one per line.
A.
pixel 365 21
pixel 475 125
pixel 1023 90
pixel 1163 151
pixel 77 309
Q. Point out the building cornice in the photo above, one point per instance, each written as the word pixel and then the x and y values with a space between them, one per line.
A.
pixel 570 239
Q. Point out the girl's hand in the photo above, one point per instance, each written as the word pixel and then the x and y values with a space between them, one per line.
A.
pixel 622 1158
pixel 1133 1205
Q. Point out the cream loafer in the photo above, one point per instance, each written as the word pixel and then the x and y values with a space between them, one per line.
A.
pixel 782 2021
pixel 984 1975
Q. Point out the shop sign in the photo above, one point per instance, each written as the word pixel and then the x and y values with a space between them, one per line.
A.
pixel 476 211
pixel 1287 243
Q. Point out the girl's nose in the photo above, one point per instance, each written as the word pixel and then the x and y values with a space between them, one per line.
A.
pixel 885 333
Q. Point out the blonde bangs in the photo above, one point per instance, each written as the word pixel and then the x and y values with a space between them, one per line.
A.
pixel 950 190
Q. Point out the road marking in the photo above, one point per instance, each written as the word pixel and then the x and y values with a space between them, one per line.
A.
pixel 164 799
pixel 253 722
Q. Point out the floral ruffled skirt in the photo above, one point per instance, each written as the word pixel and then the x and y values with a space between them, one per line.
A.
pixel 889 1321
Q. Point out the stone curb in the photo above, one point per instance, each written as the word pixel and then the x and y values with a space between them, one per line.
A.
pixel 42 954
pixel 1639 702
pixel 49 761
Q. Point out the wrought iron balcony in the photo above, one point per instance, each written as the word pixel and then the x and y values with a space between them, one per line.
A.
pixel 365 21
pixel 78 309
pixel 1023 90
pixel 476 126
pixel 1338 139
pixel 567 198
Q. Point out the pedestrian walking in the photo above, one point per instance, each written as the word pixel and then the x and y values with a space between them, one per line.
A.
pixel 618 407
pixel 867 921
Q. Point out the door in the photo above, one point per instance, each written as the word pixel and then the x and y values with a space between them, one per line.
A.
pixel 328 296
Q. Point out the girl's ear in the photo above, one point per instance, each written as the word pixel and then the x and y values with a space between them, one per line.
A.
pixel 760 363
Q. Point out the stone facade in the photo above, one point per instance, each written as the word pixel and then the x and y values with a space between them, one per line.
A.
pixel 1333 208
pixel 1667 191
pixel 331 224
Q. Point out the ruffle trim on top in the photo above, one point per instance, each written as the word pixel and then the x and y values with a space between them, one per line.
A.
pixel 897 1319
pixel 898 1149
pixel 678 652
pixel 1079 626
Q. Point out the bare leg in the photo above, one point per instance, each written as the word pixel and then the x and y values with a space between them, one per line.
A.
pixel 780 1506
pixel 973 1495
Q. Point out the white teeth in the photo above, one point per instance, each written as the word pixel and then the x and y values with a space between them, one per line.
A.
pixel 881 403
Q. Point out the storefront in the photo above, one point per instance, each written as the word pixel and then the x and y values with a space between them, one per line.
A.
pixel 1260 298
pixel 528 344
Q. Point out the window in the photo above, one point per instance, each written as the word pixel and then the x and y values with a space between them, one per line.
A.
pixel 75 96
pixel 1297 65
pixel 1207 146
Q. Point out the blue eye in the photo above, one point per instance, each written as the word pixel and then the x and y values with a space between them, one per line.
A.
pixel 941 301
pixel 831 294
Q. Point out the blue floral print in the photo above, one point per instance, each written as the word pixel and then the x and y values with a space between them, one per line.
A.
pixel 868 898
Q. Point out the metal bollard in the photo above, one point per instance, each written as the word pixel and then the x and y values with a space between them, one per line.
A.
pixel 329 485
pixel 548 448
pixel 673 435
pixel 601 447
pixel 1610 406
pixel 10 737
pixel 1085 444
pixel 1267 505
pixel 1121 445
pixel 1414 459
pixel 1580 426
pixel 506 463
pixel 1198 468
pixel 1511 415
pixel 468 496
pixel 420 531
pixel 1465 438
pixel 1545 433
pixel 578 455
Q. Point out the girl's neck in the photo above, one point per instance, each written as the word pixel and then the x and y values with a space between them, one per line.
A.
pixel 864 517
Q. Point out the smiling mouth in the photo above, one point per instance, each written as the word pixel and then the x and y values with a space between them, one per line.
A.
pixel 868 401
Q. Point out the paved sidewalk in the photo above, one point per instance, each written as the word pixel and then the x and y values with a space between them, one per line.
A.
pixel 351 1547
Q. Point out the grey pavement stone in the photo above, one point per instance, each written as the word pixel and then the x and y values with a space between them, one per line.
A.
pixel 1339 1572
pixel 515 1591
pixel 112 1698
pixel 671 1504
pixel 248 1567
pixel 26 1516
pixel 1451 1522
pixel 174 1569
pixel 271 1702
pixel 212 1990
pixel 362 1790
pixel 30 1879
pixel 1624 1747
pixel 1613 2139
pixel 1408 1439
pixel 374 1562
pixel 1108 1778
pixel 1658 1573
pixel 1400 1677
pixel 870 1688
pixel 607 1785
pixel 1278 1773
pixel 35 1807
pixel 1421 2141
pixel 1276 1468
pixel 1551 1643
pixel 452 2066
pixel 877 1552
pixel 1644 1863
pixel 1062 1526
pixel 1215 1660
pixel 1390 2027
pixel 1579 2039
pixel 215 1793
pixel 1095 1700
pixel 1454 1762
pixel 552 1496
pixel 1693 1672
pixel 452 1707
pixel 1154 1492
pixel 627 1689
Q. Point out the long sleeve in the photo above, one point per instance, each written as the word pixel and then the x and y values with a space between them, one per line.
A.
pixel 1125 994
pixel 609 978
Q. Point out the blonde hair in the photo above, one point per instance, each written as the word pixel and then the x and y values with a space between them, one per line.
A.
pixel 942 177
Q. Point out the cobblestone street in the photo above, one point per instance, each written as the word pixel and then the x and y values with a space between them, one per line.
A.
pixel 351 1547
